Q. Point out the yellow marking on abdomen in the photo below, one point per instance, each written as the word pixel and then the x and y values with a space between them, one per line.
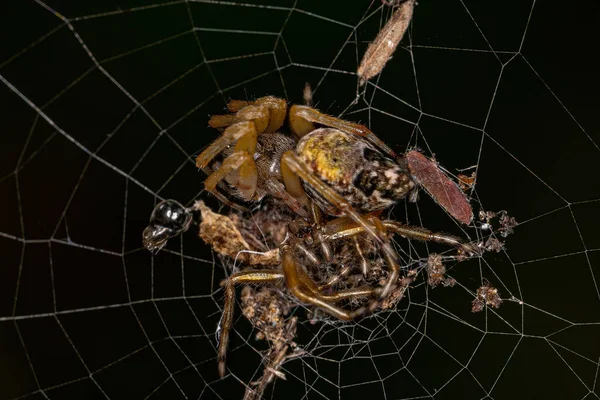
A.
pixel 323 153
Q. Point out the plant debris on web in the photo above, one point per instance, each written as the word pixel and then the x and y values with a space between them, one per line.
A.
pixel 253 240
pixel 487 295
pixel 222 234
pixel 268 310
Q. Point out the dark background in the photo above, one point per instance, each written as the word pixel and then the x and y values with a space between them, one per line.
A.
pixel 105 104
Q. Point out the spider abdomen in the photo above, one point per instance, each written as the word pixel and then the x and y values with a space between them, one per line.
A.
pixel 355 169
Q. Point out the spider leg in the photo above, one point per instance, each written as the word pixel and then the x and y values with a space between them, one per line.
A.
pixel 242 128
pixel 260 276
pixel 240 162
pixel 343 272
pixel 232 134
pixel 296 168
pixel 344 227
pixel 306 291
pixel 208 171
pixel 299 125
pixel 317 217
pixel 357 293
pixel 293 168
pixel 236 105
pixel 417 233
pixel 310 115
pixel 309 254
pixel 232 163
pixel 363 261
pixel 278 190
pixel 253 111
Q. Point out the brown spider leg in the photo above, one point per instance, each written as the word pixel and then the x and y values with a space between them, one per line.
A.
pixel 307 292
pixel 208 171
pixel 246 174
pixel 363 261
pixel 254 111
pixel 311 256
pixel 343 227
pixel 317 218
pixel 293 168
pixel 278 190
pixel 292 183
pixel 245 178
pixel 305 281
pixel 236 105
pixel 343 272
pixel 312 115
pixel 251 119
pixel 417 233
pixel 231 163
pixel 229 136
pixel 277 111
pixel 351 294
pixel 299 125
pixel 389 255
pixel 262 276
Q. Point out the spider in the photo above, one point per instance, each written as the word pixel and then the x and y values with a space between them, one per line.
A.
pixel 337 178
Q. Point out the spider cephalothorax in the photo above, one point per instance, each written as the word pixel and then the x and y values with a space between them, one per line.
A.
pixel 335 178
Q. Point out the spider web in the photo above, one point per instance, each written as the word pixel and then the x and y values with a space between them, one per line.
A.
pixel 106 103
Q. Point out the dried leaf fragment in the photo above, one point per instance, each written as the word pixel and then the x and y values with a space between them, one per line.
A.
pixel 441 188
pixel 398 293
pixel 307 94
pixel 224 237
pixel 466 182
pixel 381 49
pixel 487 295
pixel 436 272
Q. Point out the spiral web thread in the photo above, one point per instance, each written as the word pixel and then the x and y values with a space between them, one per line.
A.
pixel 106 104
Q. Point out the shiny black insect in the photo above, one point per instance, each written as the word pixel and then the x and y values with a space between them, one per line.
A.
pixel 168 219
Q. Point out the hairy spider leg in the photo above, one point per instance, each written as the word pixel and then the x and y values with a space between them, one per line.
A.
pixel 299 125
pixel 231 134
pixel 262 276
pixel 266 114
pixel 232 163
pixel 236 105
pixel 311 289
pixel 277 109
pixel 351 294
pixel 241 160
pixel 418 233
pixel 305 290
pixel 335 279
pixel 344 227
pixel 208 171
pixel 317 217
pixel 293 168
pixel 364 265
pixel 279 192
pixel 310 115
pixel 251 111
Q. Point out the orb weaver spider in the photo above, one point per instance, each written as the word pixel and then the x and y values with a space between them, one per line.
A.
pixel 336 178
